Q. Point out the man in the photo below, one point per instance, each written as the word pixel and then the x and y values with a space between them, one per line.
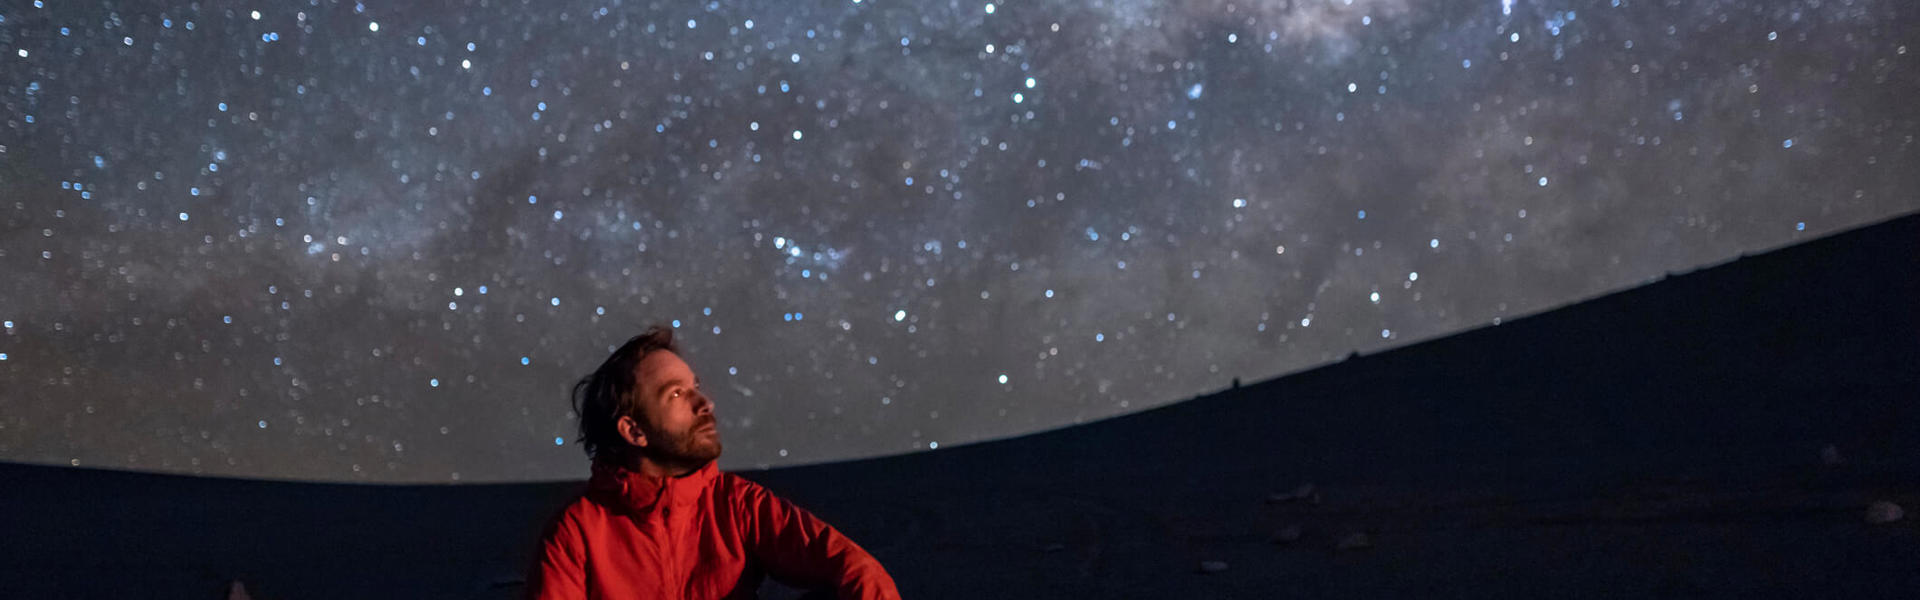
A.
pixel 659 519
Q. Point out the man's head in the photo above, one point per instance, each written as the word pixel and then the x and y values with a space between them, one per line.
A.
pixel 645 404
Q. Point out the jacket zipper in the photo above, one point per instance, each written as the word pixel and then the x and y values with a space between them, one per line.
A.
pixel 672 547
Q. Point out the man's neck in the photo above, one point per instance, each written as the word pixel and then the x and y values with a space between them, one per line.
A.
pixel 663 469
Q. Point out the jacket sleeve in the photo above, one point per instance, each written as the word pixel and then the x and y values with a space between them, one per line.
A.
pixel 799 548
pixel 559 568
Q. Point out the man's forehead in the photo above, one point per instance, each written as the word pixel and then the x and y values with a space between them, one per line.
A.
pixel 661 367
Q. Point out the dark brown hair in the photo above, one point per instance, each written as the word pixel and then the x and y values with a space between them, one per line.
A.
pixel 608 393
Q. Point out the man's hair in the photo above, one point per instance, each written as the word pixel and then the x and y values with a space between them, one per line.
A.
pixel 611 391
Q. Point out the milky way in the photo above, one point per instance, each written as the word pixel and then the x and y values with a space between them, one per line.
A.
pixel 378 242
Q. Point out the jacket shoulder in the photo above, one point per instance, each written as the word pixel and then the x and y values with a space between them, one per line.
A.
pixel 742 495
pixel 737 488
pixel 581 511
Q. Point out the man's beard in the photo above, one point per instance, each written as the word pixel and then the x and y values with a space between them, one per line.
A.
pixel 692 448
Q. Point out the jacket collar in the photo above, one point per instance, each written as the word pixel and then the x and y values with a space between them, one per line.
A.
pixel 640 494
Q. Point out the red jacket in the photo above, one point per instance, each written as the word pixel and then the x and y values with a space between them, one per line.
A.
pixel 705 535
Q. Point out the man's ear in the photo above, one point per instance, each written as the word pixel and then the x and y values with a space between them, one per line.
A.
pixel 630 431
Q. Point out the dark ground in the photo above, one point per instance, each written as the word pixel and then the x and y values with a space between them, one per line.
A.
pixel 1661 442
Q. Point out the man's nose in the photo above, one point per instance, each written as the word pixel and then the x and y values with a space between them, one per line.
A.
pixel 702 403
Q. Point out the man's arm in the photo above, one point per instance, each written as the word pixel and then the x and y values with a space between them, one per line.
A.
pixel 799 548
pixel 559 572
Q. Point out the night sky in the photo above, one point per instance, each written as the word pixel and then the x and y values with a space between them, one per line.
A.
pixel 378 242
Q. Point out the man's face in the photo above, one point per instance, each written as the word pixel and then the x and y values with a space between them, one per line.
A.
pixel 678 422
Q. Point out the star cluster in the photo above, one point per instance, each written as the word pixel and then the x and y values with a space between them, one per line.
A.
pixel 378 241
